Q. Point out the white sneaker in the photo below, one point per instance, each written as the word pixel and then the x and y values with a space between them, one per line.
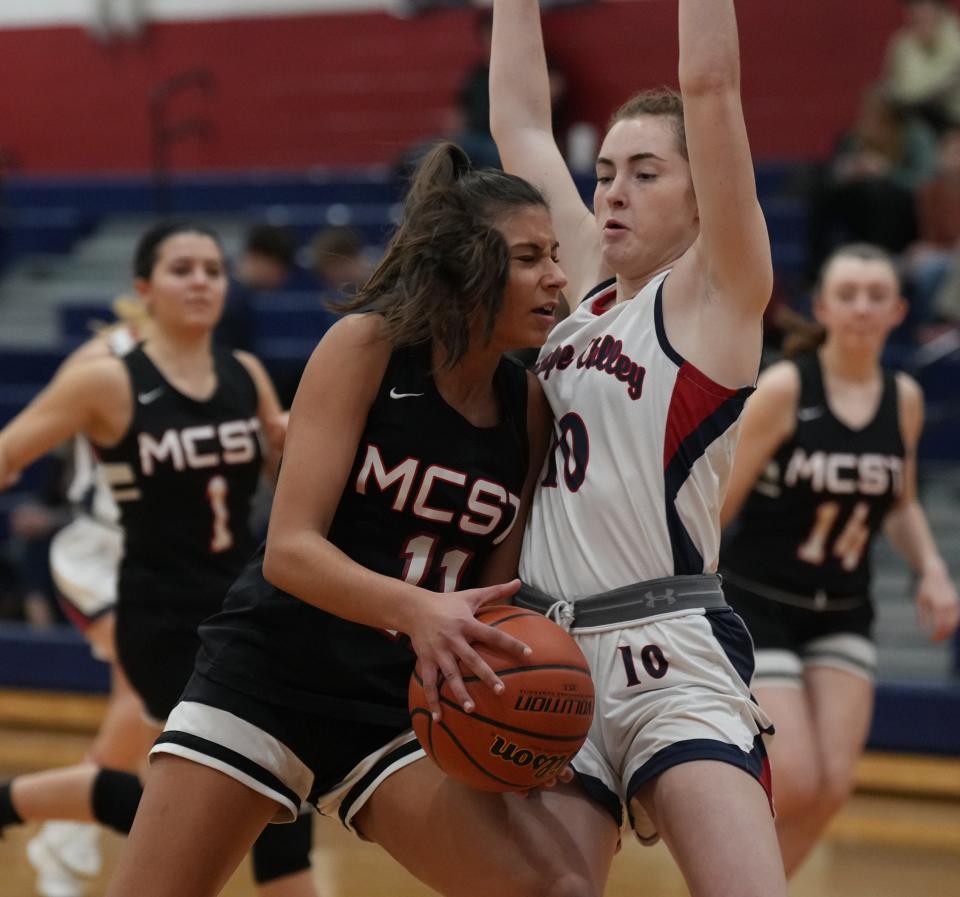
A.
pixel 64 854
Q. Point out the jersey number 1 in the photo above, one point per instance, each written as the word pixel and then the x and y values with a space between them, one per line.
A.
pixel 222 538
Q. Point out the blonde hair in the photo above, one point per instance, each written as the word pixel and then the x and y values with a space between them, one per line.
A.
pixel 130 312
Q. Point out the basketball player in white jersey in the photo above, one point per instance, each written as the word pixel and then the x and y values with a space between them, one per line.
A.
pixel 84 560
pixel 669 278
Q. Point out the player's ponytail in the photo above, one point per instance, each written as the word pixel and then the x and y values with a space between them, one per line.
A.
pixel 446 267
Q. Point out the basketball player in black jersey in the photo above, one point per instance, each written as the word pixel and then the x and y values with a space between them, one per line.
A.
pixel 176 424
pixel 827 457
pixel 412 452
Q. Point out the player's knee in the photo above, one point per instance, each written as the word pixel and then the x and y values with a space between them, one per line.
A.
pixel 552 884
pixel 797 786
pixel 283 850
pixel 836 785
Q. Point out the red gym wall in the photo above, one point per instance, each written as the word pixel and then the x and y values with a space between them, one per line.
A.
pixel 349 90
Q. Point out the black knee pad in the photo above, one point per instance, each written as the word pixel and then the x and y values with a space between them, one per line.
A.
pixel 283 849
pixel 114 798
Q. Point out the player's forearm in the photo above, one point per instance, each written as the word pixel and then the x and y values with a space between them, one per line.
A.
pixel 709 47
pixel 314 570
pixel 519 84
pixel 908 531
pixel 8 474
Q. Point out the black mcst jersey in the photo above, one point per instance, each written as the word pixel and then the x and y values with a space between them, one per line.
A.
pixel 809 523
pixel 183 477
pixel 428 498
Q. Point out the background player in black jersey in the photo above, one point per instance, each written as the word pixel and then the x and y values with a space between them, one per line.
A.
pixel 412 451
pixel 828 449
pixel 176 425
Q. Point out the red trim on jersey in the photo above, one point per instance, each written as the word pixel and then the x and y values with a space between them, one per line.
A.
pixel 766 780
pixel 695 397
pixel 604 302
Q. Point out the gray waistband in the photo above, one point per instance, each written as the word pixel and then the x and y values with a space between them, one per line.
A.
pixel 633 602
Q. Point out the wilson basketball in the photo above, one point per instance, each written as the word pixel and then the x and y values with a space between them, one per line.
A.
pixel 526 735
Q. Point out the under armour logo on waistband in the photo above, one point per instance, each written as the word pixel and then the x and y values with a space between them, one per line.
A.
pixel 652 600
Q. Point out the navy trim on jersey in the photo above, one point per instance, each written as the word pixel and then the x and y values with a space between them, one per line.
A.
pixel 230 758
pixel 597 791
pixel 686 557
pixel 732 634
pixel 668 350
pixel 599 288
pixel 754 762
pixel 381 766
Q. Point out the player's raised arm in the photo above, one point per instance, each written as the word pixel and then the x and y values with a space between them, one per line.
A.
pixel 520 122
pixel 733 246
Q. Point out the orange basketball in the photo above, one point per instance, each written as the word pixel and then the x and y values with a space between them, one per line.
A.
pixel 526 735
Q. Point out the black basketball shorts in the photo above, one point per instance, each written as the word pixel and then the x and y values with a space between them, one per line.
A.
pixel 789 638
pixel 289 755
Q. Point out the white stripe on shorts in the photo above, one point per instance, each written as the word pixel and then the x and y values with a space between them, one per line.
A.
pixel 236 734
pixel 776 667
pixel 845 651
pixel 330 804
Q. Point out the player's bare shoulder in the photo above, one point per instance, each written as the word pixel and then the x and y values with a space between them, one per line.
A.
pixel 774 404
pixel 781 380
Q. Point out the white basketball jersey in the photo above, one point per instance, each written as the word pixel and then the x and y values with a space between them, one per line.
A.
pixel 644 445
pixel 88 474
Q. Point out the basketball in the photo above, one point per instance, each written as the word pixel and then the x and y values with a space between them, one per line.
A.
pixel 525 736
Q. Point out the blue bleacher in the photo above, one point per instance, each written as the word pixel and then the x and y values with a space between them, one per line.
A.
pixel 28 366
pixel 78 320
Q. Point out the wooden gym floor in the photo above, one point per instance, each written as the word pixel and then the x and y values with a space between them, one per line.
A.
pixel 898 837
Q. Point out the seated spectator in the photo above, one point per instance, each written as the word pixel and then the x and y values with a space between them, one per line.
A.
pixel 930 260
pixel 866 192
pixel 339 258
pixel 268 263
pixel 33 523
pixel 468 120
pixel 923 62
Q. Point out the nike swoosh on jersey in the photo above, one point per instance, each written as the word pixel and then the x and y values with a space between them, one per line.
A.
pixel 404 395
pixel 145 398
pixel 811 413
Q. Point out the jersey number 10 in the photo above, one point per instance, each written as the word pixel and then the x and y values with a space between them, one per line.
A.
pixel 573 442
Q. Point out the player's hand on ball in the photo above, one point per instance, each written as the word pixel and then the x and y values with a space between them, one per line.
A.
pixel 443 633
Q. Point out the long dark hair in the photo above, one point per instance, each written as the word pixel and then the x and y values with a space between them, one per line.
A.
pixel 803 335
pixel 148 248
pixel 447 265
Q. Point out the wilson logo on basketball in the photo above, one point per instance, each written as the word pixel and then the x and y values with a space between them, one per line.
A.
pixel 544 765
pixel 546 704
